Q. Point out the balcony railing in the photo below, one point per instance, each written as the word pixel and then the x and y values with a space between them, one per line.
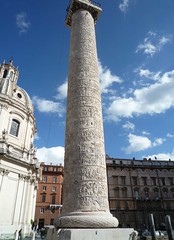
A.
pixel 90 1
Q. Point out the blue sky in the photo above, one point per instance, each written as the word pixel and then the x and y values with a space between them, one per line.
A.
pixel 135 41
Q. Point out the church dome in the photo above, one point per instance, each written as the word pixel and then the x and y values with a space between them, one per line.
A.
pixel 22 97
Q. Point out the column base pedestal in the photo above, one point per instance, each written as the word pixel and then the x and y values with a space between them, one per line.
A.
pixel 90 234
pixel 86 220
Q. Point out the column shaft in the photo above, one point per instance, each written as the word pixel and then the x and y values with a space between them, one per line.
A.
pixel 85 193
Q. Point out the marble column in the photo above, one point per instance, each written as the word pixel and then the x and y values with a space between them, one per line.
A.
pixel 85 192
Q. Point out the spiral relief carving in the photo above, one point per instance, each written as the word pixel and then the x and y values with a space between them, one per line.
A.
pixel 85 193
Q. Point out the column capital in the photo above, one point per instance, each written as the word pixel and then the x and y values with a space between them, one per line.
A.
pixel 91 6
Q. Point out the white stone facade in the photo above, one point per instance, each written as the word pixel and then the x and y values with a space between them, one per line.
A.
pixel 19 168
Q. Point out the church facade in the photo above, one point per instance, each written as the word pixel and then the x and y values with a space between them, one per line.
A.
pixel 19 167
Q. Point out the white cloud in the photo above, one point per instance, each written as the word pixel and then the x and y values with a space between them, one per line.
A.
pixel 137 143
pixel 36 136
pixel 158 141
pixel 129 126
pixel 48 106
pixel 124 6
pixel 22 22
pixel 140 143
pixel 154 99
pixel 149 48
pixel 153 43
pixel 62 90
pixel 106 78
pixel 54 155
pixel 148 74
pixel 162 156
pixel 145 133
pixel 170 135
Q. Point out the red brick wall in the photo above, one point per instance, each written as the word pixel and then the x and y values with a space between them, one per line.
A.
pixel 49 171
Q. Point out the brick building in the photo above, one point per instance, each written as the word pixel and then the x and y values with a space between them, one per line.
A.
pixel 49 195
pixel 140 187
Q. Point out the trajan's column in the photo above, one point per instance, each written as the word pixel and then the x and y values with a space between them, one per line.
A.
pixel 85 192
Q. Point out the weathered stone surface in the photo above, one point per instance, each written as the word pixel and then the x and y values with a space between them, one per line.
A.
pixel 92 234
pixel 85 193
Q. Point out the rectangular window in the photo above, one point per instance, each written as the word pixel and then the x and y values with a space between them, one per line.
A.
pixel 144 180
pixel 53 199
pixel 54 188
pixel 43 197
pixel 124 193
pixel 14 130
pixel 162 180
pixel 134 180
pixel 52 221
pixel 153 181
pixel 54 179
pixel 123 180
pixel 42 210
pixel 44 188
pixel 116 192
pixel 46 168
pixel 115 180
pixel 44 179
pixel 171 181
pixel 55 169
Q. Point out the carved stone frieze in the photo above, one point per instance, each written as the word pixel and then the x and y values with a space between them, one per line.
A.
pixel 85 193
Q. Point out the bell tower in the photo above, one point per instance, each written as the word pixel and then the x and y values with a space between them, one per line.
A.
pixel 8 77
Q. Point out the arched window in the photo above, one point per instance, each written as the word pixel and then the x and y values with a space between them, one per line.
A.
pixel 116 192
pixel 172 191
pixel 14 130
pixel 165 193
pixel 156 193
pixel 43 197
pixel 146 193
pixel 11 75
pixel 5 73
pixel 136 193
pixel 124 192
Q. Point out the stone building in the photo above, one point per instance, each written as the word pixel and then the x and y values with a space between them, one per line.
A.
pixel 140 187
pixel 49 195
pixel 19 168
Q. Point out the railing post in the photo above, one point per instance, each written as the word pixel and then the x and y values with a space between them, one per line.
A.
pixel 152 226
pixel 169 227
